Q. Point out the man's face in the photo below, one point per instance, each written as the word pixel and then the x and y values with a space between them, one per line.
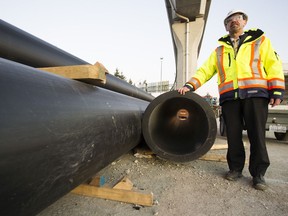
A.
pixel 235 23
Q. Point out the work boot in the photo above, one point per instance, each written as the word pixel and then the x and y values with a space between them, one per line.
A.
pixel 259 183
pixel 233 175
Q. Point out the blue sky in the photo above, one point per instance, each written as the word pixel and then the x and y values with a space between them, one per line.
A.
pixel 133 35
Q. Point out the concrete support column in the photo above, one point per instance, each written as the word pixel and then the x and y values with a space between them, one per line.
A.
pixel 194 30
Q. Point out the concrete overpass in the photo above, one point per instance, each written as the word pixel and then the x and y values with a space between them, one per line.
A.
pixel 187 19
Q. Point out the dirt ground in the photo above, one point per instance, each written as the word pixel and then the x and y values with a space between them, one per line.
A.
pixel 188 189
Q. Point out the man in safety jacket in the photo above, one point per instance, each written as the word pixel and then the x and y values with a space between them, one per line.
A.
pixel 250 75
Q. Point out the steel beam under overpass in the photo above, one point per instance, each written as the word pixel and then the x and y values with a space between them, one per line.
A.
pixel 187 20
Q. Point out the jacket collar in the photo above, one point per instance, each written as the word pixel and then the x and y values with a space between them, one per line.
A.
pixel 248 36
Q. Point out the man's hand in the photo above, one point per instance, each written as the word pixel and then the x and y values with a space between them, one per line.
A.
pixel 186 88
pixel 183 90
pixel 275 102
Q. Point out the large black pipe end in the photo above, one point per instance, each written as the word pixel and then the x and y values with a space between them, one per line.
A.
pixel 179 128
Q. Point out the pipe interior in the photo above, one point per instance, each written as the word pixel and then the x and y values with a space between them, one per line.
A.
pixel 178 126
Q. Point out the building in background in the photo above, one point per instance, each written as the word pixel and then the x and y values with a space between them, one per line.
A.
pixel 155 88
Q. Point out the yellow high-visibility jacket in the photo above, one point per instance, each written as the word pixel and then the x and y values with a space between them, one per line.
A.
pixel 255 71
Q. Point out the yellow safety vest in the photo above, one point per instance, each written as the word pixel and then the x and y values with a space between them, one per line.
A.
pixel 255 71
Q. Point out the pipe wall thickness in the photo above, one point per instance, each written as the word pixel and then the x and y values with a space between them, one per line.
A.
pixel 56 133
pixel 178 127
pixel 20 46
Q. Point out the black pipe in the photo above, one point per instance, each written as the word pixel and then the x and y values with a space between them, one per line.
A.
pixel 55 133
pixel 20 46
pixel 179 128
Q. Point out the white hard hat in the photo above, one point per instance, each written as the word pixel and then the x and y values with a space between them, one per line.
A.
pixel 232 12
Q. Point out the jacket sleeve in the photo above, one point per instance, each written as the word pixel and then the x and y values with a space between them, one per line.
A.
pixel 205 72
pixel 274 70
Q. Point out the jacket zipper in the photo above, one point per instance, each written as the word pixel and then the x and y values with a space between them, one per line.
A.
pixel 229 57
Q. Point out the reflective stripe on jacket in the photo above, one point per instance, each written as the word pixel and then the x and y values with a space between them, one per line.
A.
pixel 255 71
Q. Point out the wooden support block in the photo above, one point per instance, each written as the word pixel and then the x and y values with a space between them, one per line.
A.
pixel 85 73
pixel 115 194
pixel 124 184
pixel 143 151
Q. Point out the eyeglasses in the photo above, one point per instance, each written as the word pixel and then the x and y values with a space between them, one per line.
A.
pixel 236 17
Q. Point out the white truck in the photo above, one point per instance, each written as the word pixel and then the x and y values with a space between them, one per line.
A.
pixel 278 121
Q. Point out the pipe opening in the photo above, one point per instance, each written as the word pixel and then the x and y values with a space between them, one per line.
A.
pixel 174 130
pixel 179 128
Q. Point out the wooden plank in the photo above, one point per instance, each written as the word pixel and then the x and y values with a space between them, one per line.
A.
pixel 97 181
pixel 223 146
pixel 219 146
pixel 214 157
pixel 80 72
pixel 115 194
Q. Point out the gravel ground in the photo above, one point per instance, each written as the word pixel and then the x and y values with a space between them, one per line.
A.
pixel 193 188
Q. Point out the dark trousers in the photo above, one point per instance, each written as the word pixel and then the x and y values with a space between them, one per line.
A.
pixel 254 112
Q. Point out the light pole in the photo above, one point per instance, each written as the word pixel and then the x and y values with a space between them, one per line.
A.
pixel 161 61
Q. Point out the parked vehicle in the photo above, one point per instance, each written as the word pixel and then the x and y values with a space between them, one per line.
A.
pixel 278 122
